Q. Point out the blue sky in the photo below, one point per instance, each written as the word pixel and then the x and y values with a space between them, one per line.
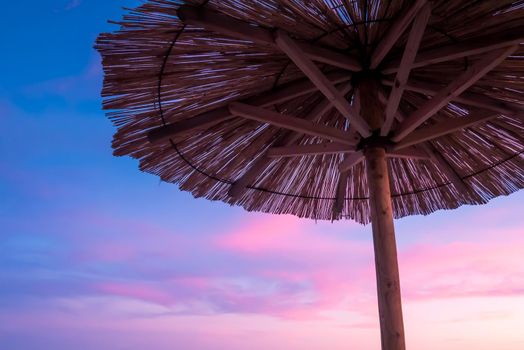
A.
pixel 95 254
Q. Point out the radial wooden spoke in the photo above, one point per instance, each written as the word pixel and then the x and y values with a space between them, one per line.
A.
pixel 338 204
pixel 204 120
pixel 290 123
pixel 220 23
pixel 443 165
pixel 443 128
pixel 465 48
pixel 466 98
pixel 287 138
pixel 382 96
pixel 294 89
pixel 409 153
pixel 410 51
pixel 394 32
pixel 350 161
pixel 321 82
pixel 320 110
pixel 310 150
pixel 239 186
pixel 455 88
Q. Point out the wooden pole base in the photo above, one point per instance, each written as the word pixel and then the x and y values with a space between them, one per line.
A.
pixel 386 264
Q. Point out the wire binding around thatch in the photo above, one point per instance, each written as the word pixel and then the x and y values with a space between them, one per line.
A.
pixel 160 71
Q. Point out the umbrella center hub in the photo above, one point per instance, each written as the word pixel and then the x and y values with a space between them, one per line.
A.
pixel 375 141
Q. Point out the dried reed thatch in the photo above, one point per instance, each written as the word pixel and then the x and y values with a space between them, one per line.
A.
pixel 170 81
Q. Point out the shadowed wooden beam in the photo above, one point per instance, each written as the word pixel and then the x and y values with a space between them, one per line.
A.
pixel 466 98
pixel 371 108
pixel 443 165
pixel 338 204
pixel 410 51
pixel 287 138
pixel 321 109
pixel 408 153
pixel 310 150
pixel 455 88
pixel 336 148
pixel 223 24
pixel 204 120
pixel 290 123
pixel 350 161
pixel 318 78
pixel 382 97
pixel 394 32
pixel 443 128
pixel 468 47
pixel 254 170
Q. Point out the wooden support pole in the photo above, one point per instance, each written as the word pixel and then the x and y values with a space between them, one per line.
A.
pixel 381 212
pixel 386 264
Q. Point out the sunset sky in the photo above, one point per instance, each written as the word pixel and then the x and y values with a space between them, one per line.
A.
pixel 95 255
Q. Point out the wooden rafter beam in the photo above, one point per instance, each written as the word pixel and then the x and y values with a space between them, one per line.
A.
pixel 394 32
pixel 321 109
pixel 468 47
pixel 294 89
pixel 310 150
pixel 287 138
pixel 382 96
pixel 336 148
pixel 350 161
pixel 338 204
pixel 408 153
pixel 223 24
pixel 455 88
pixel 443 128
pixel 410 51
pixel 466 98
pixel 257 167
pixel 290 123
pixel 207 119
pixel 318 78
pixel 443 165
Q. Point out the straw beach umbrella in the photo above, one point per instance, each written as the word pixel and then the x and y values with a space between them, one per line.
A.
pixel 367 110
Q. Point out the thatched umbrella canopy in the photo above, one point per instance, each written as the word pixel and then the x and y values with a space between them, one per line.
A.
pixel 325 109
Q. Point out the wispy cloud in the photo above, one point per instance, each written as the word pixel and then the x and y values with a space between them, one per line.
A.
pixel 84 85
pixel 72 4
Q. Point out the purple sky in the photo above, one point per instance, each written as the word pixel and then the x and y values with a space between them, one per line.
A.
pixel 97 255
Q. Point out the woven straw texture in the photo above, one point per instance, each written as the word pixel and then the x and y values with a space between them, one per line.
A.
pixel 160 71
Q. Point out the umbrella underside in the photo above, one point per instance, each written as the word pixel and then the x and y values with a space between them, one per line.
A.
pixel 255 103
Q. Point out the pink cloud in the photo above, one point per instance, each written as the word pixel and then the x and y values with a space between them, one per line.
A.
pixel 82 85
pixel 72 4
pixel 118 239
pixel 285 267
pixel 337 272
pixel 141 291
pixel 285 234
pixel 486 267
pixel 263 235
